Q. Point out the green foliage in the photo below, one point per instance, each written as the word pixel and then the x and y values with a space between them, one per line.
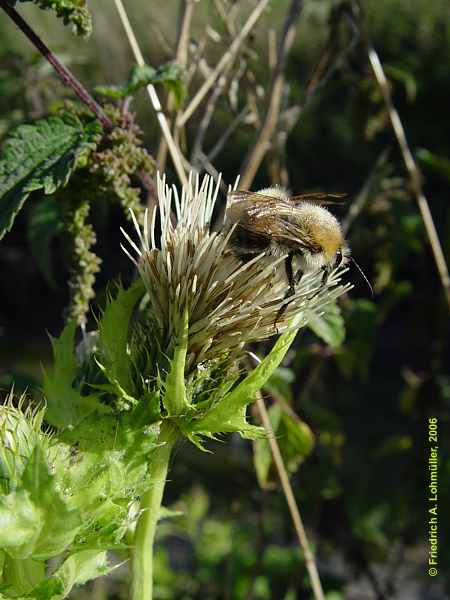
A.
pixel 295 439
pixel 72 12
pixel 439 164
pixel 175 398
pixel 66 406
pixel 330 326
pixel 229 413
pixel 46 222
pixel 169 74
pixel 41 156
pixel 114 354
pixel 72 494
pixel 119 160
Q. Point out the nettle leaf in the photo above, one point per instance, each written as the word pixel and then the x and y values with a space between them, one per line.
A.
pixel 45 223
pixel 329 326
pixel 65 405
pixel 295 440
pixel 113 328
pixel 72 12
pixel 41 156
pixel 169 74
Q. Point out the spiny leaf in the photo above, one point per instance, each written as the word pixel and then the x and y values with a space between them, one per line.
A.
pixel 65 405
pixel 169 75
pixel 113 336
pixel 72 12
pixel 41 156
pixel 227 414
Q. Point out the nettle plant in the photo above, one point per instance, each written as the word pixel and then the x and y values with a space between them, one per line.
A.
pixel 83 473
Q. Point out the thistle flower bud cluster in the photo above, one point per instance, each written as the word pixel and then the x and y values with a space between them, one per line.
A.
pixel 189 269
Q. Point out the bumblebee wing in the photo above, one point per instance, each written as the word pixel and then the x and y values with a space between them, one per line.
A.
pixel 261 224
pixel 241 203
pixel 318 198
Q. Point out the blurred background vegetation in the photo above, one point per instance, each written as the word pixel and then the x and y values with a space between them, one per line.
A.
pixel 363 489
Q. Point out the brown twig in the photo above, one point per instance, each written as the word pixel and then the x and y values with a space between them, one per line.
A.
pixel 290 499
pixel 181 53
pixel 219 145
pixel 262 144
pixel 227 57
pixel 197 147
pixel 412 169
pixel 173 148
pixel 362 197
pixel 67 77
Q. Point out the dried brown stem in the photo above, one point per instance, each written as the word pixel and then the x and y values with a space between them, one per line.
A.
pixel 175 152
pixel 363 195
pixel 290 499
pixel 226 58
pixel 412 169
pixel 181 53
pixel 263 141
pixel 67 77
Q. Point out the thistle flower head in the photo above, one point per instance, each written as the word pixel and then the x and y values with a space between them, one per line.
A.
pixel 188 269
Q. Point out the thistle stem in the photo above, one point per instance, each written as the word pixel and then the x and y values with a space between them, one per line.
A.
pixel 142 554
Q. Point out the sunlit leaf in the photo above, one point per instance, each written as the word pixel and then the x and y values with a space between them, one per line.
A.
pixel 41 156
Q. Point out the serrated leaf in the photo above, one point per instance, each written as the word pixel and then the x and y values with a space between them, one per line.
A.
pixel 113 336
pixel 141 76
pixel 59 524
pixel 72 12
pixel 44 224
pixel 20 523
pixel 65 405
pixel 41 156
pixel 329 326
pixel 81 567
pixel 227 415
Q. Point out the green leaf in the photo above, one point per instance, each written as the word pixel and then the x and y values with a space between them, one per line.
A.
pixel 168 74
pixel 175 400
pixel 20 522
pixel 113 337
pixel 65 405
pixel 329 326
pixel 45 223
pixel 21 576
pixel 439 164
pixel 58 524
pixel 36 522
pixel 229 413
pixel 40 156
pixel 81 567
pixel 72 12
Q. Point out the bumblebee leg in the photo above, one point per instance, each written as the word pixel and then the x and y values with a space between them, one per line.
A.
pixel 325 272
pixel 288 265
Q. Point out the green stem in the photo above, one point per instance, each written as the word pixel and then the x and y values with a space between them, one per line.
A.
pixel 142 556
